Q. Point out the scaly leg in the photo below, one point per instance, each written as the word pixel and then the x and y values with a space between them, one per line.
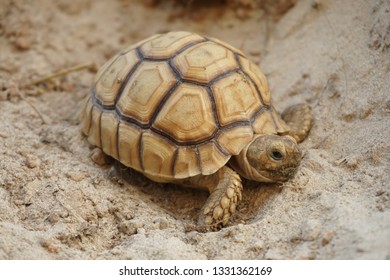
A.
pixel 225 191
pixel 299 119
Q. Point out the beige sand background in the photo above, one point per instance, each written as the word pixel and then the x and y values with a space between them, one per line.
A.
pixel 55 203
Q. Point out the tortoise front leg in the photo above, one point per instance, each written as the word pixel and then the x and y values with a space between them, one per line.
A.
pixel 299 119
pixel 225 191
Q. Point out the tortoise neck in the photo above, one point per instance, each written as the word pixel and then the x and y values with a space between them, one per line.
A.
pixel 241 165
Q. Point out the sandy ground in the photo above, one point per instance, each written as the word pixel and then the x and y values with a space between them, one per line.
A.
pixel 55 203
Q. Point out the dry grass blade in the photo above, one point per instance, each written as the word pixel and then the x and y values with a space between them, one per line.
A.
pixel 60 73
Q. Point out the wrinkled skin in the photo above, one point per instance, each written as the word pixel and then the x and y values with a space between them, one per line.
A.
pixel 268 158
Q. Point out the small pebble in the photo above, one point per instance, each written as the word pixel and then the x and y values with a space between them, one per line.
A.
pixel 53 218
pixel 50 246
pixel 24 42
pixel 258 246
pixel 31 160
pixel 129 228
pixel 163 223
pixel 327 238
pixel 76 176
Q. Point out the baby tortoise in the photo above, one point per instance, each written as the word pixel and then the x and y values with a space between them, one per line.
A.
pixel 192 110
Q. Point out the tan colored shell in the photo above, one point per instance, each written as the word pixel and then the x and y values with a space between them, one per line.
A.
pixel 177 105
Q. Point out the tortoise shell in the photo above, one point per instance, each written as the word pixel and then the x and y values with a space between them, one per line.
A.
pixel 178 105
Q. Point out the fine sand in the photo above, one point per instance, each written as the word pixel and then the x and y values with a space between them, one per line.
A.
pixel 56 203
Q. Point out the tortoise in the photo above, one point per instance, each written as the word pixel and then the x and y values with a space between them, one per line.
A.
pixel 194 111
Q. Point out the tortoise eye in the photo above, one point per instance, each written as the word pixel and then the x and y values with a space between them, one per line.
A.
pixel 276 155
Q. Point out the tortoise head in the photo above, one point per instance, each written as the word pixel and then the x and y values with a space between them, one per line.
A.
pixel 269 158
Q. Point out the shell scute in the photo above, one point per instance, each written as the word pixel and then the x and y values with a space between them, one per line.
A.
pixel 87 115
pixel 234 139
pixel 166 45
pixel 236 99
pixel 211 158
pixel 129 137
pixel 187 115
pixel 157 155
pixel 186 164
pixel 145 90
pixel 111 77
pixel 260 81
pixel 204 61
pixel 109 128
pixel 94 130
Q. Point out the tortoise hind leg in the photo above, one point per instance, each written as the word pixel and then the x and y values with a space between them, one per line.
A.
pixel 299 119
pixel 225 191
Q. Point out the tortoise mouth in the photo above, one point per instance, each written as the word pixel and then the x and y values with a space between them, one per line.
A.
pixel 281 174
